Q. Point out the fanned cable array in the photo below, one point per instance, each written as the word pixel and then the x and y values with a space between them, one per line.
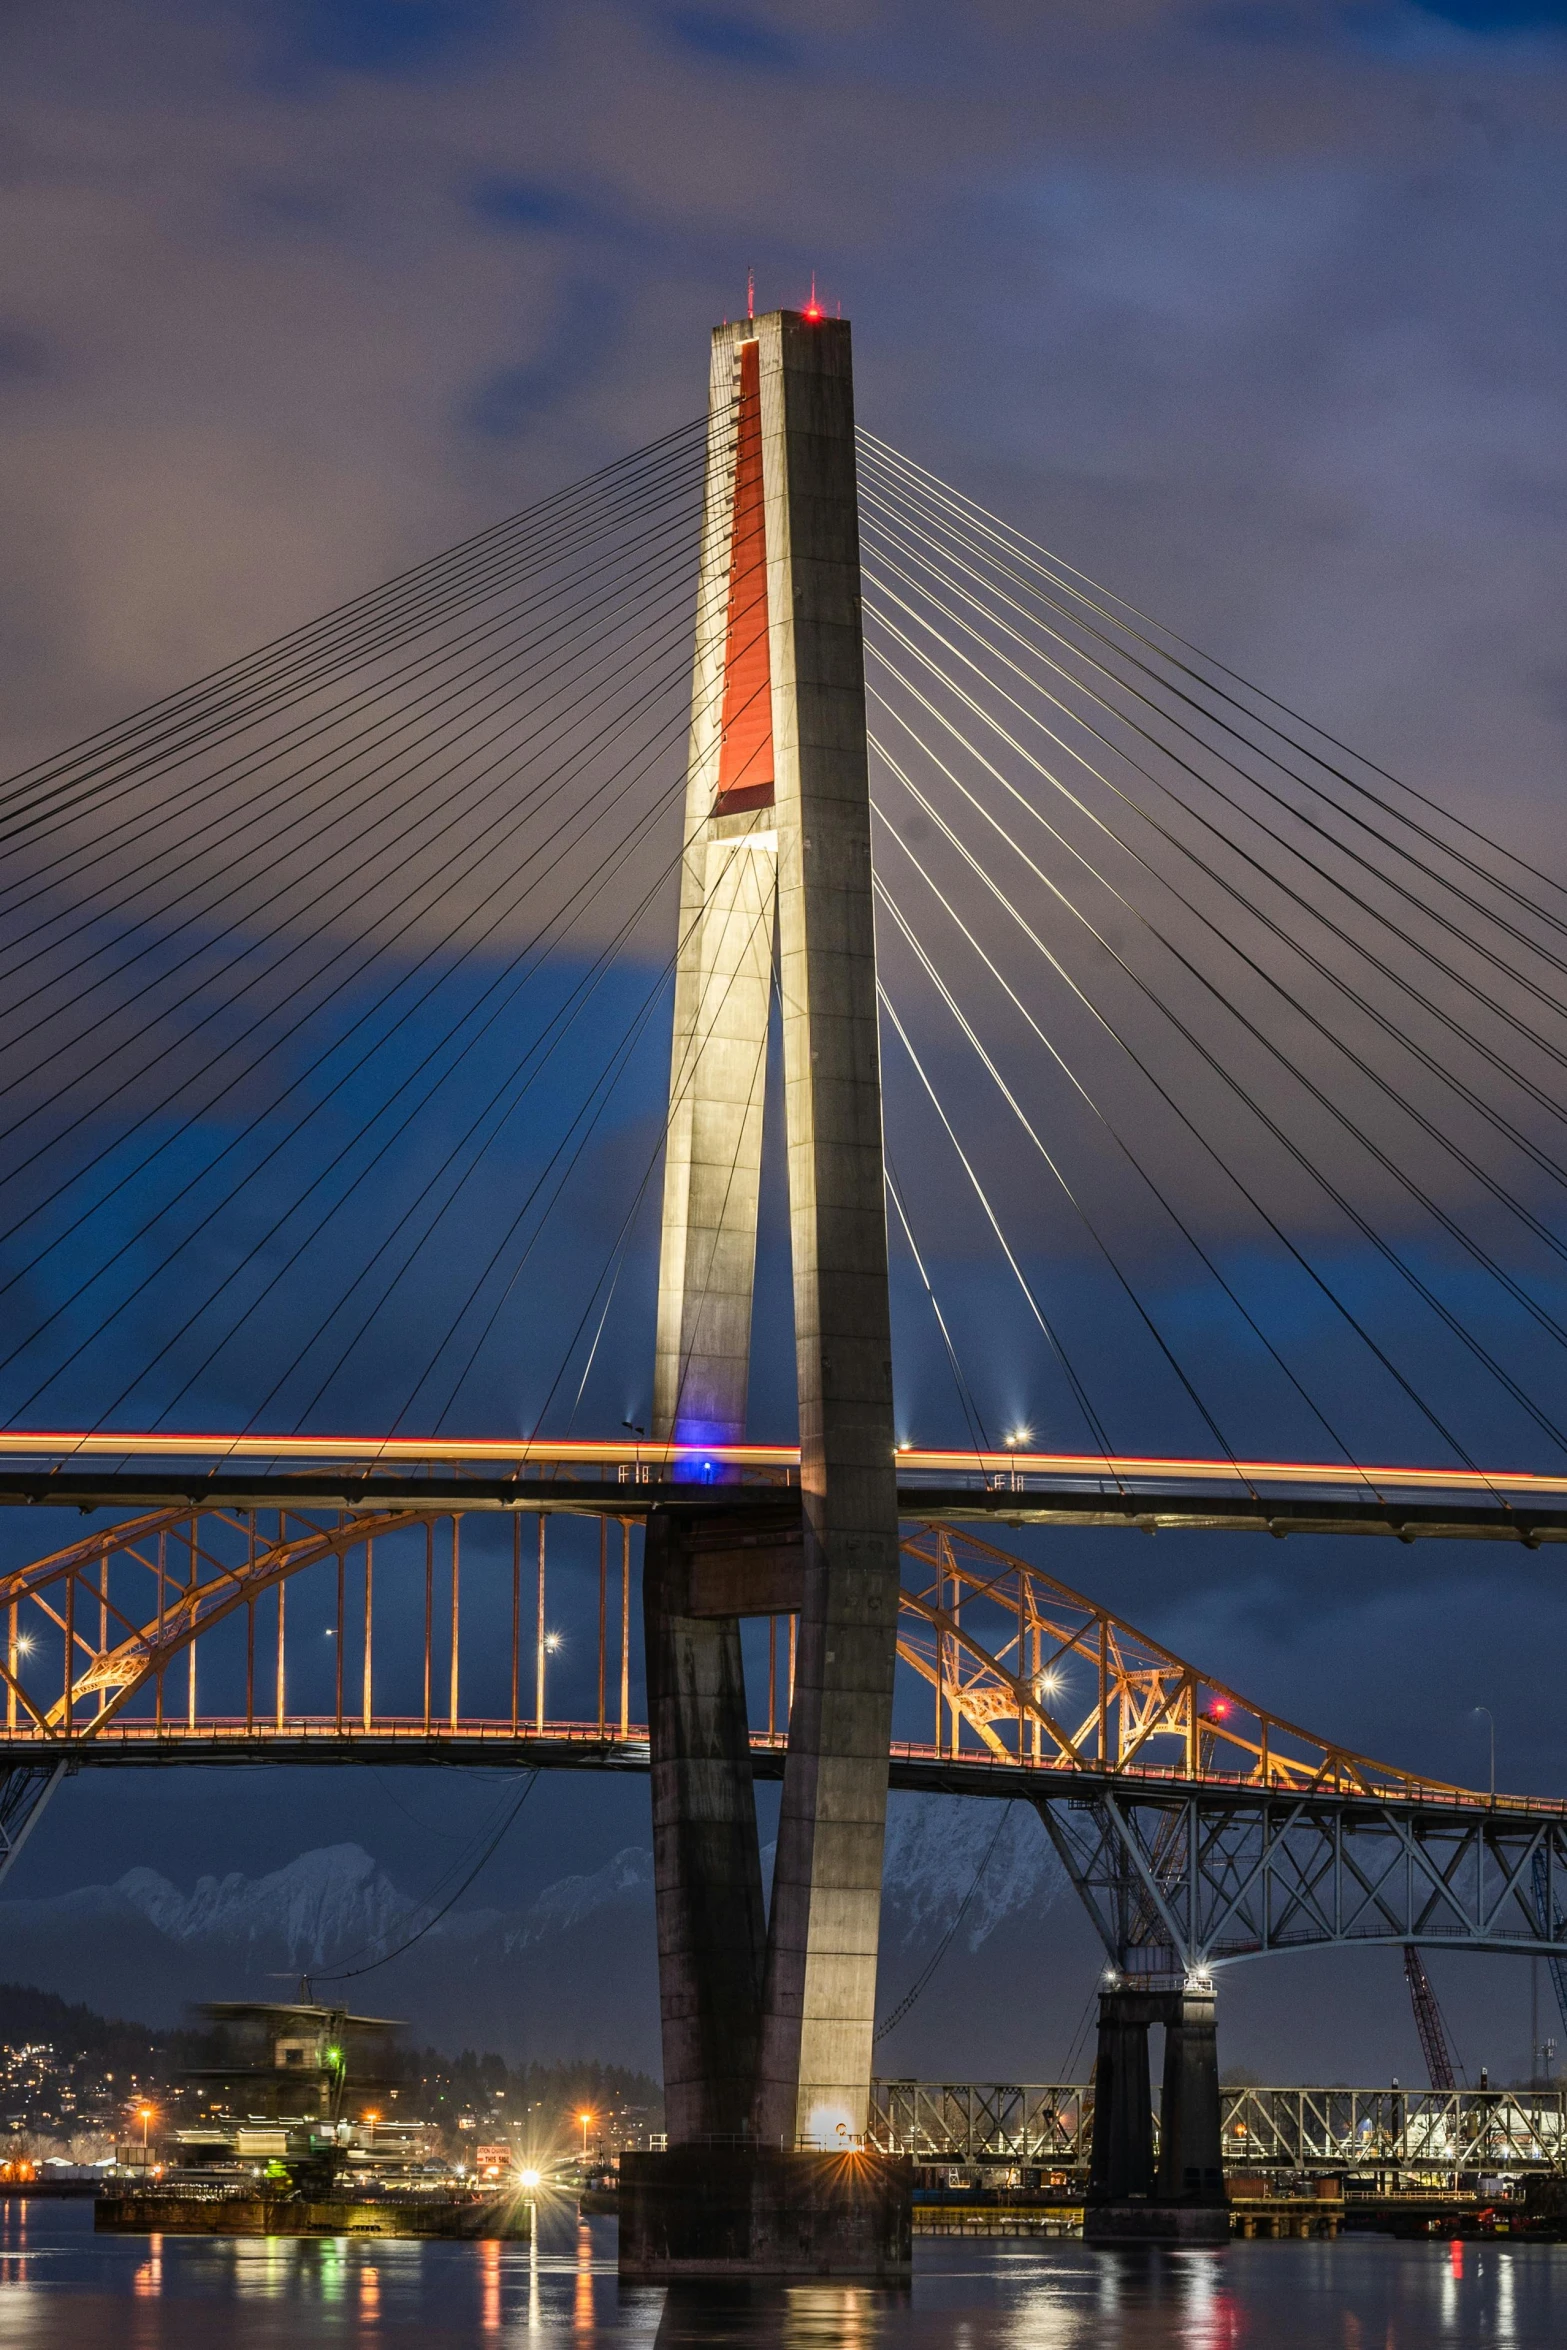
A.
pixel 1223 1070
pixel 1227 1067
pixel 323 978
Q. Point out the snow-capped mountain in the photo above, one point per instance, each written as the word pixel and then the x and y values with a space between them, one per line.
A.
pixel 572 1974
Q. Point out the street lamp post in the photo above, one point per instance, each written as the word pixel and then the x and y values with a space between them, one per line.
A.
pixel 1491 1719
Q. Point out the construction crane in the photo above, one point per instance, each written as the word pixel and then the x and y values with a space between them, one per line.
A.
pixel 1428 2021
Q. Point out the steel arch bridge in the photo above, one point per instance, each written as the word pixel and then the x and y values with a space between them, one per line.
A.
pixel 1198 1827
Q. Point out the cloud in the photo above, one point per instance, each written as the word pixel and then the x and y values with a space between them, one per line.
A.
pixel 299 41
pixel 730 38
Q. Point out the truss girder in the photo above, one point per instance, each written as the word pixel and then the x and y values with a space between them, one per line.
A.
pixel 24 1790
pixel 1181 1882
pixel 1282 2128
pixel 985 2121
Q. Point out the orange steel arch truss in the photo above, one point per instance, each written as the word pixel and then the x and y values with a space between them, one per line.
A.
pixel 1024 1675
pixel 1196 1826
pixel 1023 1669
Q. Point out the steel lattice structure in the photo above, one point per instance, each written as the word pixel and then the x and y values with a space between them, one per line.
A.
pixel 1276 2128
pixel 1197 1826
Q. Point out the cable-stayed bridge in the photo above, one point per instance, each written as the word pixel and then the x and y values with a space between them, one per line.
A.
pixel 427 1022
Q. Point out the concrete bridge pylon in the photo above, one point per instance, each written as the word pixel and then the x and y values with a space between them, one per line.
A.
pixel 767 2030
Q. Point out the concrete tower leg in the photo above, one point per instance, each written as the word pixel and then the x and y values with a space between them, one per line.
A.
pixel 777 800
pixel 1121 2157
pixel 707 1871
pixel 824 1923
pixel 1191 2158
pixel 706 1867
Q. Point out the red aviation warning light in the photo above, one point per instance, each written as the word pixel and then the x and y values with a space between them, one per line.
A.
pixel 813 308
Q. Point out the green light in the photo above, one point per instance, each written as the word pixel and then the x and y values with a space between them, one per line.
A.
pixel 334 2056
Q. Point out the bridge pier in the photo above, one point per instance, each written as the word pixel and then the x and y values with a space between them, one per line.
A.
pixel 707 1872
pixel 777 844
pixel 1179 2199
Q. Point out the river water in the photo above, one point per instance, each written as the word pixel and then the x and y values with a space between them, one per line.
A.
pixel 63 2288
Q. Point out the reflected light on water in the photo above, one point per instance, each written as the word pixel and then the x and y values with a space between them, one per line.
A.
pixel 66 2289
pixel 829 2317
pixel 582 2299
pixel 1506 2335
pixel 148 2281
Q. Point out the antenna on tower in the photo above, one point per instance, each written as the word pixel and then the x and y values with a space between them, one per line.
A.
pixel 750 293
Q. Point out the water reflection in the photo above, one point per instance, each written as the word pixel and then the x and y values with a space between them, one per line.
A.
pixel 62 2288
pixel 826 2316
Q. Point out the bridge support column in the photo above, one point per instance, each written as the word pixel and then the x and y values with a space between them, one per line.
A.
pixel 824 1926
pixel 1130 2198
pixel 1191 2157
pixel 1121 2160
pixel 706 1866
pixel 777 831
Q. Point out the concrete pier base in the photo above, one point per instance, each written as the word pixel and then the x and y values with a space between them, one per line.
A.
pixel 1182 2200
pixel 746 2210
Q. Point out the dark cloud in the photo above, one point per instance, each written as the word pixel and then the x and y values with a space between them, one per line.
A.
pixel 1497 16
pixel 300 40
pixel 731 38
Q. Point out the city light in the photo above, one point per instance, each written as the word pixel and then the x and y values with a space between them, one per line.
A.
pixel 531 2179
pixel 585 2118
pixel 551 1643
pixel 24 1645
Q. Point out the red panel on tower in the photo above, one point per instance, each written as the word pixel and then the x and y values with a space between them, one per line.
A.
pixel 745 759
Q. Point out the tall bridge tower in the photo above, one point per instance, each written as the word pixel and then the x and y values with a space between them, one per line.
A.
pixel 767 2028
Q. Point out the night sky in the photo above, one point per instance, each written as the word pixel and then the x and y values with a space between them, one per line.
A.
pixel 1253 309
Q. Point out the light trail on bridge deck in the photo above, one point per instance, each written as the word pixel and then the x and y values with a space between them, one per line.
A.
pixel 1117 1469
pixel 596 1477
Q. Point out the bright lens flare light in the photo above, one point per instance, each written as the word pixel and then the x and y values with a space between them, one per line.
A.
pixel 531 2179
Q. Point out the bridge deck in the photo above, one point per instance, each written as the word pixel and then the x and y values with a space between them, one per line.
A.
pixel 1020 1498
pixel 578 1746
